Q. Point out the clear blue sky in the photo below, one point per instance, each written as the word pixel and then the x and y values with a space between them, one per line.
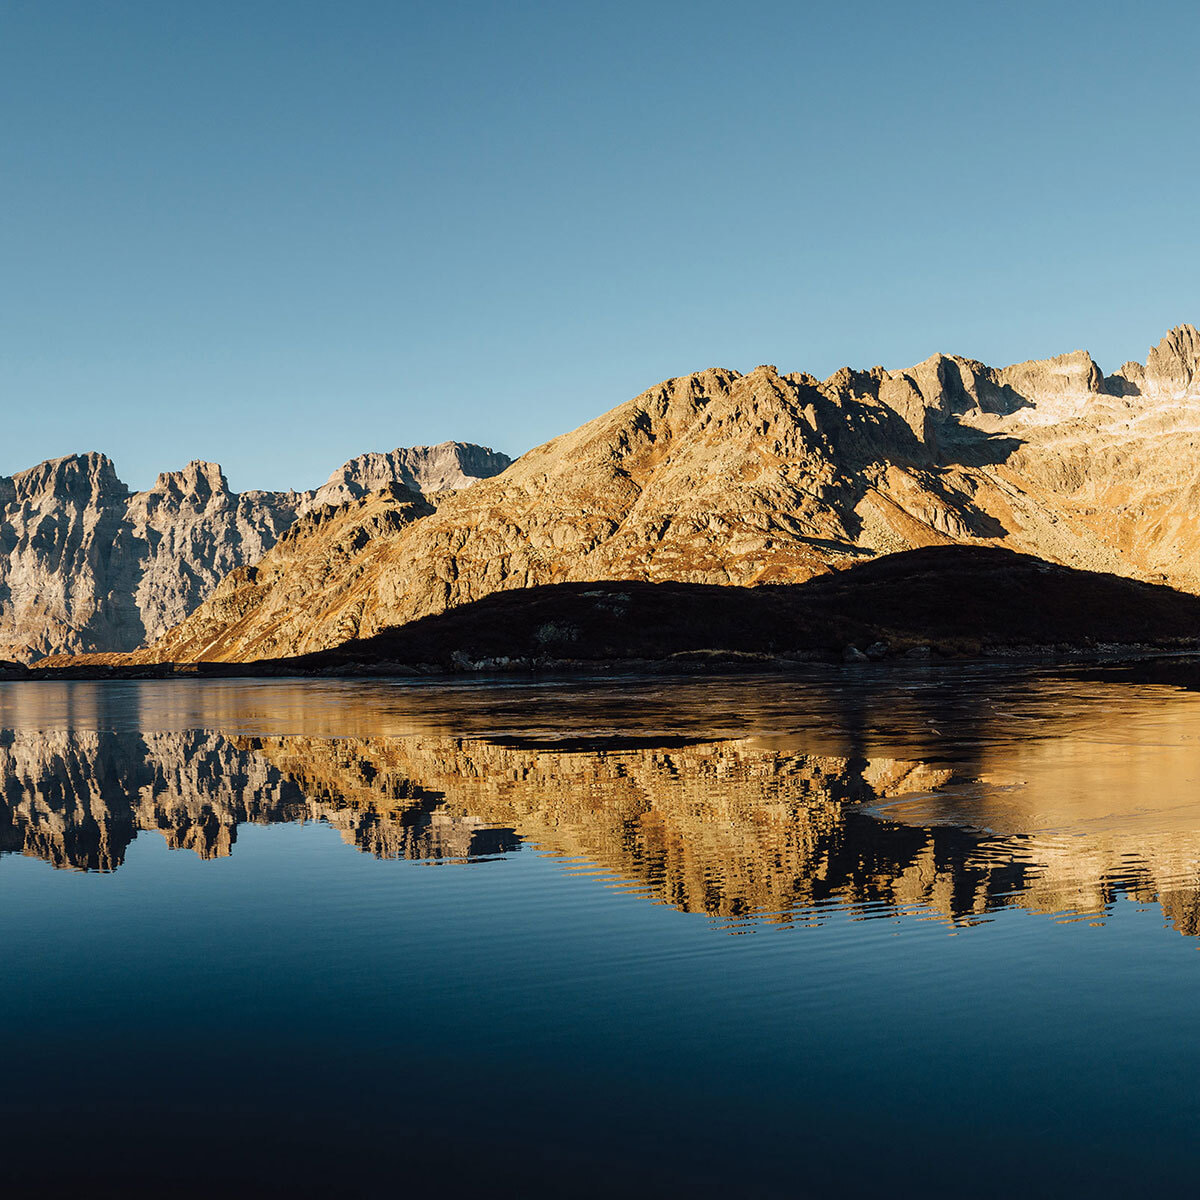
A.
pixel 277 234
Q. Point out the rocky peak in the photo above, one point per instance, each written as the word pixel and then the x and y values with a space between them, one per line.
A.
pixel 1129 379
pixel 472 463
pixel 200 481
pixel 1065 375
pixel 75 478
pixel 849 383
pixel 448 466
pixel 954 385
pixel 803 380
pixel 1173 366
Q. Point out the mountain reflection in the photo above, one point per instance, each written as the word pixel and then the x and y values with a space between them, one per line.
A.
pixel 78 800
pixel 1050 819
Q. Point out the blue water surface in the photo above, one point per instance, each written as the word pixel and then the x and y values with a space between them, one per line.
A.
pixel 292 1015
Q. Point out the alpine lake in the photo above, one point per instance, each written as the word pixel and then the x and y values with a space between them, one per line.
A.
pixel 882 930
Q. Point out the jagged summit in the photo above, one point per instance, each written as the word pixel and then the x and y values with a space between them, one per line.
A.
pixel 73 477
pixel 448 466
pixel 1173 366
pixel 719 477
pixel 198 479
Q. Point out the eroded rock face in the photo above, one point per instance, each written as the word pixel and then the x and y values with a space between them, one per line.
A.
pixel 428 469
pixel 725 478
pixel 1173 366
pixel 88 565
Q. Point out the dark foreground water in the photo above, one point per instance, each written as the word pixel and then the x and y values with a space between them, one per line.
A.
pixel 854 934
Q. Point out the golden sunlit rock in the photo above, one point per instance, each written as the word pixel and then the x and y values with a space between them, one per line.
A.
pixel 723 478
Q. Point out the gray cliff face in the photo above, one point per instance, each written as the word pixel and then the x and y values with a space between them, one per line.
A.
pixel 87 565
pixel 65 557
pixel 450 466
pixel 190 531
pixel 1173 366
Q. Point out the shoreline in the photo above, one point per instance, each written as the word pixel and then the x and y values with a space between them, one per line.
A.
pixel 681 664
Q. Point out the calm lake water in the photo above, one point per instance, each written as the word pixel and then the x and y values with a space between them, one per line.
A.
pixel 857 933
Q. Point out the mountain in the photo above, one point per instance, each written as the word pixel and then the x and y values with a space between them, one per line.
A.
pixel 723 478
pixel 88 565
pixel 430 469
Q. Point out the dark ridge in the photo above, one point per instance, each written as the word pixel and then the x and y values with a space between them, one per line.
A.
pixel 956 599
pixel 945 600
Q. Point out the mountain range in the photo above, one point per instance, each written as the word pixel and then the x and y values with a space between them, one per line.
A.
pixel 724 478
pixel 88 565
pixel 710 478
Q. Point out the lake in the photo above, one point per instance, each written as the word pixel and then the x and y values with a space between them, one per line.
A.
pixel 911 931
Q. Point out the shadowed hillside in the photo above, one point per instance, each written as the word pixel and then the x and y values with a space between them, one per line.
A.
pixel 947 600
pixel 955 599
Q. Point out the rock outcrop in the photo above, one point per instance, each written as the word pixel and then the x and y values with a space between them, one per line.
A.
pixel 448 467
pixel 88 565
pixel 762 478
pixel 1173 366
